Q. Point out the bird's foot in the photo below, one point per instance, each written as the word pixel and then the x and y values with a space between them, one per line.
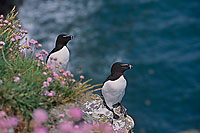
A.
pixel 104 103
pixel 115 116
pixel 125 114
pixel 123 110
pixel 116 105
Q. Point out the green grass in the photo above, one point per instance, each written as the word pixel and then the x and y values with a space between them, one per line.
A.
pixel 22 97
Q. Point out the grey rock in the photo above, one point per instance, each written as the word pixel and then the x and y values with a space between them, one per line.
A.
pixel 99 113
pixel 94 112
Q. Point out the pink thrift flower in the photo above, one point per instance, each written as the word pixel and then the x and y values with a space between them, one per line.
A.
pixel 66 127
pixel 38 54
pixel 5 130
pixel 25 31
pixel 18 37
pixel 49 79
pixel 61 115
pixel 55 59
pixel 13 26
pixel 16 79
pixel 65 74
pixel 10 49
pixel 1 25
pixel 12 122
pixel 106 128
pixel 1 16
pixel 73 80
pixel 75 113
pixel 72 75
pixel 49 66
pixel 82 77
pixel 5 21
pixel 76 127
pixel 87 128
pixel 2 43
pixel 9 24
pixel 45 84
pixel 40 130
pixel 40 115
pixel 52 93
pixel 19 26
pixel 44 52
pixel 45 93
pixel 12 39
pixel 55 75
pixel 2 114
pixel 32 41
pixel 44 73
pixel 1 47
pixel 9 122
pixel 39 45
pixel 63 82
pixel 41 58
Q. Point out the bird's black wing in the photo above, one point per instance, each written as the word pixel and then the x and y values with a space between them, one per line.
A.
pixel 52 51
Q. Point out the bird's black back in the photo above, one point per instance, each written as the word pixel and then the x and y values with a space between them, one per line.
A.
pixel 54 50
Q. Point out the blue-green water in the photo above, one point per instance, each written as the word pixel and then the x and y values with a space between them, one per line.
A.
pixel 161 38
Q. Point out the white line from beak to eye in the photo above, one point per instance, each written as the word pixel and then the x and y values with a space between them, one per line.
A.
pixel 124 64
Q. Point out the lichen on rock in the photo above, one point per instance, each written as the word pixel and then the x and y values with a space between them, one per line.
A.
pixel 99 113
pixel 94 111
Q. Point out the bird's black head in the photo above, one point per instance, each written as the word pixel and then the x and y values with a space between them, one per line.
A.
pixel 119 67
pixel 63 39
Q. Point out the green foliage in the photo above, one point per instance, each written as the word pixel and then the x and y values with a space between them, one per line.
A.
pixel 20 97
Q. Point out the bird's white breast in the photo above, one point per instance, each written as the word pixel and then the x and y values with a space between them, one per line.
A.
pixel 113 91
pixel 62 58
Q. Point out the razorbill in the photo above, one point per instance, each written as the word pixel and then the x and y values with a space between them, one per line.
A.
pixel 114 86
pixel 59 56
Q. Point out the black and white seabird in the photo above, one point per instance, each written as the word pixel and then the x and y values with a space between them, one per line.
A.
pixel 113 89
pixel 59 56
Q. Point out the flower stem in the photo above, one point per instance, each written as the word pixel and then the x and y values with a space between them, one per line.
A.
pixel 5 59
